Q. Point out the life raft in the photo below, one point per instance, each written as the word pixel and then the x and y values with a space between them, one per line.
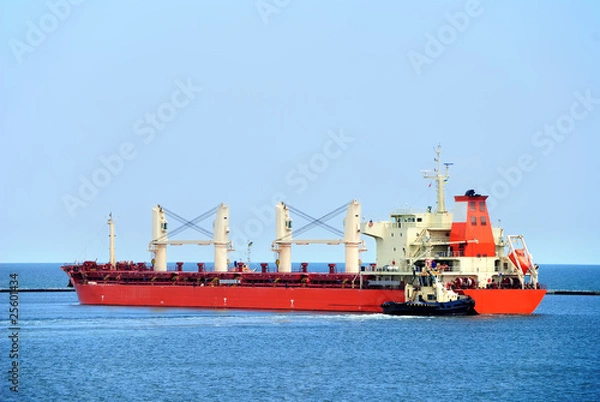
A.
pixel 520 259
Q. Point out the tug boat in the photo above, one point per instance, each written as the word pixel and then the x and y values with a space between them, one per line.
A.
pixel 428 297
pixel 467 256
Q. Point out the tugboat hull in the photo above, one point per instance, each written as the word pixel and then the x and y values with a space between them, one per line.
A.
pixel 457 307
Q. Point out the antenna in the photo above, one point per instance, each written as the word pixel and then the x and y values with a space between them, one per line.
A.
pixel 440 178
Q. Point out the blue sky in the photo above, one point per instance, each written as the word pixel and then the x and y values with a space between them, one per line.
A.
pixel 118 106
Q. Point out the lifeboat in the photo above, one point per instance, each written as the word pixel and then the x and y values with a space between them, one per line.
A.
pixel 520 259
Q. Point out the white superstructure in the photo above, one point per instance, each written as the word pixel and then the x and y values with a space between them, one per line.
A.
pixel 462 245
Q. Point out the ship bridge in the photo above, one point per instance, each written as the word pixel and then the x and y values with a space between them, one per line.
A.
pixel 407 233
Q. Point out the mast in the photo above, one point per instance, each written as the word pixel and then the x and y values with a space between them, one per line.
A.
pixel 440 179
pixel 111 236
pixel 283 243
pixel 221 238
pixel 159 242
pixel 352 237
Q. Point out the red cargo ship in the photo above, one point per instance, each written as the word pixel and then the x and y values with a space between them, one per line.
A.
pixel 130 286
pixel 461 248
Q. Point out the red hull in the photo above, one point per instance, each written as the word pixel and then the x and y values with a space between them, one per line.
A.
pixel 264 298
pixel 505 301
pixel 487 301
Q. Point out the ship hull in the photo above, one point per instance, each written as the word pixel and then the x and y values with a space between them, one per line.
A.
pixel 487 301
pixel 257 298
pixel 505 301
pixel 456 307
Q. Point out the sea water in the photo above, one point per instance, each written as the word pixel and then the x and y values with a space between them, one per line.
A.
pixel 70 352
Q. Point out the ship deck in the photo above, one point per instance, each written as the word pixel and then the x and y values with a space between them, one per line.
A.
pixel 362 280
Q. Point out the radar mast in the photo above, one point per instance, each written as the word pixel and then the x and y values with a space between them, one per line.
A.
pixel 440 179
